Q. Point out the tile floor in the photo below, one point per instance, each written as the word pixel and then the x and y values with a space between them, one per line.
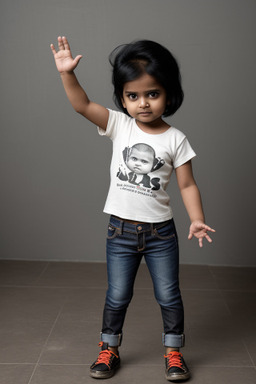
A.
pixel 50 318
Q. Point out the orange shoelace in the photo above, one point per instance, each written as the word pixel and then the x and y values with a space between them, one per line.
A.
pixel 105 356
pixel 174 359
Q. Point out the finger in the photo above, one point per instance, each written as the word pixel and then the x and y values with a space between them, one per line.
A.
pixel 60 43
pixel 208 228
pixel 53 49
pixel 190 235
pixel 77 59
pixel 65 42
pixel 208 239
pixel 200 242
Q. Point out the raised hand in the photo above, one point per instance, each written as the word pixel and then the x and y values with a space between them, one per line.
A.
pixel 63 58
pixel 200 231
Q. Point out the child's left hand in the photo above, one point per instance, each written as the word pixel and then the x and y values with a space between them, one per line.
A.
pixel 199 230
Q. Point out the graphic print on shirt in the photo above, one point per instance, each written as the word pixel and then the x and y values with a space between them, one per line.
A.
pixel 140 160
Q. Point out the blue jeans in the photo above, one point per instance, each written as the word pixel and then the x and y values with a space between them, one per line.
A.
pixel 126 245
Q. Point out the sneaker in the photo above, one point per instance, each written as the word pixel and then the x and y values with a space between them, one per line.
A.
pixel 176 369
pixel 106 364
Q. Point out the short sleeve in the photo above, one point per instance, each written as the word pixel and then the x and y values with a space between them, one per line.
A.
pixel 116 120
pixel 184 153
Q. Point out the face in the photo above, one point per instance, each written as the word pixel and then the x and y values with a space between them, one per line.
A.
pixel 145 100
pixel 140 162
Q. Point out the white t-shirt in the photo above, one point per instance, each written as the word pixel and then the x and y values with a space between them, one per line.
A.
pixel 141 169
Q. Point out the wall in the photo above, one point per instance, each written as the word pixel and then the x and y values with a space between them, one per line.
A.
pixel 54 168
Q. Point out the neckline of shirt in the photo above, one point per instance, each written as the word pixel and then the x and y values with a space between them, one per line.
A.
pixel 150 134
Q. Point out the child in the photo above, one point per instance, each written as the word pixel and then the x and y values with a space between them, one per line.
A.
pixel 147 86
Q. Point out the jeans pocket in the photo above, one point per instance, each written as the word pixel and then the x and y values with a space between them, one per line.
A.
pixel 166 232
pixel 112 232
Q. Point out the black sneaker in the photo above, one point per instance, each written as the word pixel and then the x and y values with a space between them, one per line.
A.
pixel 176 369
pixel 106 364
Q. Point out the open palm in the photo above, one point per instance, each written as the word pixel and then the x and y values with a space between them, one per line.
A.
pixel 63 58
pixel 200 230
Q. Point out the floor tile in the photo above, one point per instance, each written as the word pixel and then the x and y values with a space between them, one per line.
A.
pixel 196 277
pixel 20 272
pixel 74 275
pixel 72 343
pixel 15 373
pixel 83 305
pixel 27 316
pixel 243 310
pixel 22 342
pixel 33 303
pixel 217 347
pixel 61 374
pixel 223 375
pixel 203 308
pixel 234 278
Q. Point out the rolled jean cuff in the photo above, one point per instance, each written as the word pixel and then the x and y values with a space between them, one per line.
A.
pixel 173 341
pixel 112 340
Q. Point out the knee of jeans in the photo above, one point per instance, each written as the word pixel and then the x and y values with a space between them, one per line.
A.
pixel 118 299
pixel 168 298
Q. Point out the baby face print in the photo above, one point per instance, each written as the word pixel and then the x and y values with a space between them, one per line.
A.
pixel 140 162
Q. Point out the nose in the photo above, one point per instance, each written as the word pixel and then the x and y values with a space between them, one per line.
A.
pixel 137 163
pixel 143 103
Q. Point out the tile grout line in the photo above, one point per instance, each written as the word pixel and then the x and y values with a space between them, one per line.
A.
pixel 247 350
pixel 43 271
pixel 46 341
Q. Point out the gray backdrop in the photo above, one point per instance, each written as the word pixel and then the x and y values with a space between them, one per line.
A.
pixel 54 168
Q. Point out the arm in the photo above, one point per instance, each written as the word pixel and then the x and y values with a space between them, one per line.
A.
pixel 193 203
pixel 65 64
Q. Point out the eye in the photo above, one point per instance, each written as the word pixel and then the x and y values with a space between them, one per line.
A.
pixel 153 94
pixel 144 161
pixel 132 96
pixel 134 158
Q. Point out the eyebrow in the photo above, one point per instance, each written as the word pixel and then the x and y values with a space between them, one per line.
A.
pixel 149 90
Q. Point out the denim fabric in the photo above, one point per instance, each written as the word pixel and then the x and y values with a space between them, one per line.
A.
pixel 126 245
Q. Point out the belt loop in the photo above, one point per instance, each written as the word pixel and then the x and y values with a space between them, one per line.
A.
pixel 152 229
pixel 121 227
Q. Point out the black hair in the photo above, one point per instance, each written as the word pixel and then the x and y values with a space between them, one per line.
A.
pixel 130 61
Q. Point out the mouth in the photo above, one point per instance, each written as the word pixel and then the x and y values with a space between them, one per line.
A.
pixel 144 113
